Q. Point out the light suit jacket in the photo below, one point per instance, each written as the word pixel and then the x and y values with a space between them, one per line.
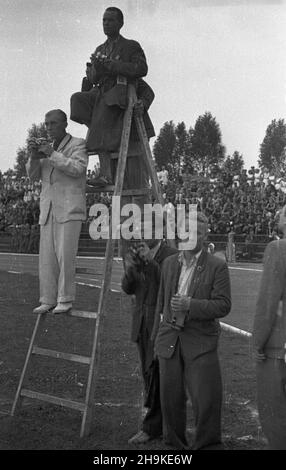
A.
pixel 63 177
pixel 210 300
pixel 269 330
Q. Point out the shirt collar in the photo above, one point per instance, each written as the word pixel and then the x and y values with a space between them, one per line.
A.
pixel 182 259
pixel 63 142
pixel 113 41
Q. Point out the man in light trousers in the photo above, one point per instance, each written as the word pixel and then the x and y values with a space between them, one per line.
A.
pixel 61 166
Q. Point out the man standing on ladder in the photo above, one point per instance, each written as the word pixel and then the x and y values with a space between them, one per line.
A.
pixel 114 64
pixel 61 166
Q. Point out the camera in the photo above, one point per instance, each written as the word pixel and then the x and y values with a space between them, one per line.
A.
pixel 100 58
pixel 38 141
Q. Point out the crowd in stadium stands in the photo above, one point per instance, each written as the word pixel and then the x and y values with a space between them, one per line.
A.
pixel 19 210
pixel 245 204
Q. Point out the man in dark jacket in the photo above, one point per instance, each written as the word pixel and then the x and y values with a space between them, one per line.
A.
pixel 114 64
pixel 194 293
pixel 142 279
pixel 269 335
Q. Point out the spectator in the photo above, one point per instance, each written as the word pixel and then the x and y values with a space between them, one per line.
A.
pixel 163 176
pixel 269 335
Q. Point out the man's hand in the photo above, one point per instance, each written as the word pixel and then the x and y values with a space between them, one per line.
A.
pixel 259 355
pixel 144 251
pixel 33 149
pixel 34 154
pixel 180 303
pixel 129 263
pixel 46 150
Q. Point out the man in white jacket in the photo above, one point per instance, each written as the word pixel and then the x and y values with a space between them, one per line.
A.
pixel 61 166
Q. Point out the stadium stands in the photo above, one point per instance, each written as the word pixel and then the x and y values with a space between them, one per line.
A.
pixel 246 204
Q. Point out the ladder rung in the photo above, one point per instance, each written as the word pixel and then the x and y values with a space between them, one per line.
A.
pixel 61 355
pixel 77 405
pixel 80 270
pixel 83 314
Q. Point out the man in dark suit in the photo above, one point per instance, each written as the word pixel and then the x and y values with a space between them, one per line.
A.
pixel 142 279
pixel 114 64
pixel 269 336
pixel 194 293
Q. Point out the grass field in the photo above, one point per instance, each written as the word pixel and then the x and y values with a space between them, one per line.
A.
pixel 118 397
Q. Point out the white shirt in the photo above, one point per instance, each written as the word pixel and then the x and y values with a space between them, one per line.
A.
pixel 187 273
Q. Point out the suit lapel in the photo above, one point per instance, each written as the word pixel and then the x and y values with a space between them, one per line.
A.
pixel 60 148
pixel 176 273
pixel 115 54
pixel 200 266
pixel 159 256
pixel 64 142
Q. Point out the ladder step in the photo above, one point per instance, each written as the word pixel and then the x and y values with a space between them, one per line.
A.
pixel 83 314
pixel 80 270
pixel 77 405
pixel 61 355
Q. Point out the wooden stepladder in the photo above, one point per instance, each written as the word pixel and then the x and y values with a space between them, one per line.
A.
pixel 86 406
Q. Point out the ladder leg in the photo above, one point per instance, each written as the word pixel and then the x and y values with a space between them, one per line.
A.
pixel 148 158
pixel 107 271
pixel 18 399
pixel 150 165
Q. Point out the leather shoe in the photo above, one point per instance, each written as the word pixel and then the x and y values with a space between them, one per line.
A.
pixel 43 308
pixel 140 438
pixel 62 307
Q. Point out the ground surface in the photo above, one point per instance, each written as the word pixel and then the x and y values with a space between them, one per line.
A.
pixel 245 278
pixel 118 397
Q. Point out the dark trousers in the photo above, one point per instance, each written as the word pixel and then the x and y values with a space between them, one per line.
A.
pixel 152 422
pixel 271 401
pixel 202 378
pixel 136 175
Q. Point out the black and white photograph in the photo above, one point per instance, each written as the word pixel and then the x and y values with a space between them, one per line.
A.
pixel 143 228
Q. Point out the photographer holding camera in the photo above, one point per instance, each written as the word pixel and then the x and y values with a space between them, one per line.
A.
pixel 142 279
pixel 60 163
pixel 103 100
pixel 194 293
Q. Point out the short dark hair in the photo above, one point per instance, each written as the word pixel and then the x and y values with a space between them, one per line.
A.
pixel 118 12
pixel 60 112
pixel 199 216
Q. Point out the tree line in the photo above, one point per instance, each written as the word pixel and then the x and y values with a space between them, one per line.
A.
pixel 200 149
pixel 195 150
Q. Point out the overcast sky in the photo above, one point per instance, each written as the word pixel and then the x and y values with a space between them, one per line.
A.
pixel 225 57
